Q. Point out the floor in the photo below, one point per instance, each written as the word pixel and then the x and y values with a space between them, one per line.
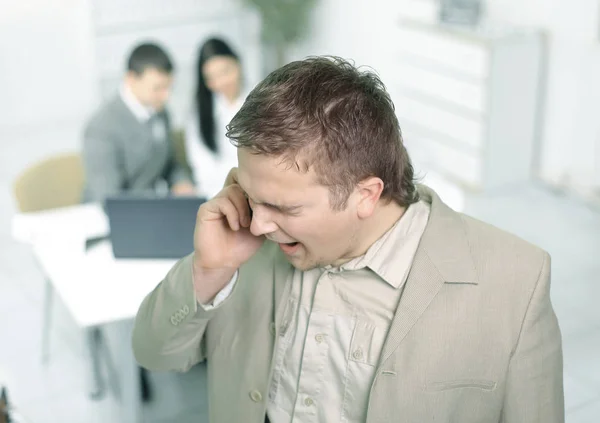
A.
pixel 56 391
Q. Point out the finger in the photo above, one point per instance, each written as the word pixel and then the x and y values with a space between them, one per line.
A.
pixel 220 207
pixel 240 201
pixel 231 177
pixel 232 215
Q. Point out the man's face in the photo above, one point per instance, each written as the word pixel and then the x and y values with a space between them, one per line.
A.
pixel 291 208
pixel 152 88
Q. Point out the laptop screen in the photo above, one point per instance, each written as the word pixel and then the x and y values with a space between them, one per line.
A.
pixel 159 228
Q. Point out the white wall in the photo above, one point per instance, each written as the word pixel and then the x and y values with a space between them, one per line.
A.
pixel 46 79
pixel 46 70
pixel 570 148
pixel 352 29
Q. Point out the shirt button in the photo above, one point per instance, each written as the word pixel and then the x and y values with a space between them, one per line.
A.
pixel 255 396
pixel 308 402
pixel 357 354
pixel 319 338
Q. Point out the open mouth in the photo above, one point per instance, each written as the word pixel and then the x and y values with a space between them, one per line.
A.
pixel 289 247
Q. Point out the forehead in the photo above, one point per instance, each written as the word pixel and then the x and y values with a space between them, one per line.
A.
pixel 263 175
pixel 216 64
pixel 152 75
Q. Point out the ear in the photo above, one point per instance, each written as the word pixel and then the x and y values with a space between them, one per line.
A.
pixel 369 193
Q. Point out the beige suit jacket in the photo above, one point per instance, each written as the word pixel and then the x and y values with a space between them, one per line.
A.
pixel 474 338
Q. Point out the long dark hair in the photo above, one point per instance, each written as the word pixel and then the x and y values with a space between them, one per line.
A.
pixel 204 97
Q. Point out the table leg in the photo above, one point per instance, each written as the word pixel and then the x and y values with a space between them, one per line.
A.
pixel 93 343
pixel 47 319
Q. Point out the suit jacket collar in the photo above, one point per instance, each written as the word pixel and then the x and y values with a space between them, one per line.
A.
pixel 443 257
pixel 445 241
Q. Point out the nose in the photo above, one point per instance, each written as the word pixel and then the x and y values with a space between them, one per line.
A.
pixel 262 224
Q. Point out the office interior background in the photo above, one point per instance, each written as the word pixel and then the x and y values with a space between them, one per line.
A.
pixel 501 118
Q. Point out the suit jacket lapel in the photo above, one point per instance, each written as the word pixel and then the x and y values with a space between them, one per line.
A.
pixel 443 256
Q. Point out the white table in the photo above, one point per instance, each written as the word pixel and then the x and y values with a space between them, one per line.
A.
pixel 97 289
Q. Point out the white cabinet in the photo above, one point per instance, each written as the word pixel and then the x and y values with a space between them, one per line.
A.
pixel 468 100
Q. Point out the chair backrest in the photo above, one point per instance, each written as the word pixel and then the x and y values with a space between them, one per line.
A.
pixel 51 183
pixel 178 137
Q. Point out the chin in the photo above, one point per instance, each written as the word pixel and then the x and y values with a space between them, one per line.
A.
pixel 304 265
pixel 300 264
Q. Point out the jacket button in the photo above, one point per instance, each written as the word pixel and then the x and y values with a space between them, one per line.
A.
pixel 255 396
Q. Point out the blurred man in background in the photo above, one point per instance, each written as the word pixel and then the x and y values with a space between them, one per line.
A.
pixel 127 143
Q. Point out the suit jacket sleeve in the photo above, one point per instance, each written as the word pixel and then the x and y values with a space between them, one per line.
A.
pixel 169 328
pixel 535 377
pixel 104 175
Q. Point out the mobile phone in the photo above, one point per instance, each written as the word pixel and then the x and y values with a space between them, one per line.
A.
pixel 249 208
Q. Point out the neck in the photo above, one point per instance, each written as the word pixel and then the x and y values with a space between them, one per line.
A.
pixel 131 92
pixel 232 98
pixel 385 216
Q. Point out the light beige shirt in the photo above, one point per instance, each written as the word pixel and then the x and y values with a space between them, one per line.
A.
pixel 334 327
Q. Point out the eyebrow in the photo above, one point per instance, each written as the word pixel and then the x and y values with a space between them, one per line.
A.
pixel 280 208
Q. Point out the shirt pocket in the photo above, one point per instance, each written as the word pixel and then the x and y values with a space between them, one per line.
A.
pixel 367 343
pixel 363 356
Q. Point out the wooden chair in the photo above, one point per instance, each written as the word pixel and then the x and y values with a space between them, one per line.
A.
pixel 52 183
pixel 178 138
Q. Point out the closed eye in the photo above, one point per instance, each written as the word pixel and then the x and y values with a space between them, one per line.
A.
pixel 289 210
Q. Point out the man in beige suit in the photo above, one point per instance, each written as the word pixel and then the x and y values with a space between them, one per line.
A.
pixel 327 287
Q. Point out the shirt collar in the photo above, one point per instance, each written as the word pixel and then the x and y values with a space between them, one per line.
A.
pixel 391 256
pixel 141 112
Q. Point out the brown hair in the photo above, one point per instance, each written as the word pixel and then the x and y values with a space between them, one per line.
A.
pixel 334 117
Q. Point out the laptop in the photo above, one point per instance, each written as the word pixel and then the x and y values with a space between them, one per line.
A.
pixel 152 228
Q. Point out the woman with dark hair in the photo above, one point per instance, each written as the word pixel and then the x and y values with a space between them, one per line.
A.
pixel 219 95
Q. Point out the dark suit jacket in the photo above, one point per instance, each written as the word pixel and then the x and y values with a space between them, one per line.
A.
pixel 122 154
